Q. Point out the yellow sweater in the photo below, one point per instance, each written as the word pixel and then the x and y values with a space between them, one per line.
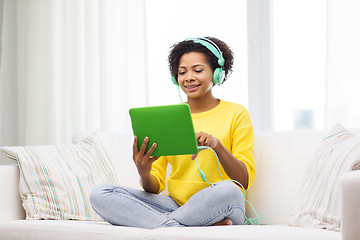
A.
pixel 231 124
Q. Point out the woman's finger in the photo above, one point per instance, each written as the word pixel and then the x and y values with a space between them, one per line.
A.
pixel 151 150
pixel 135 147
pixel 193 157
pixel 202 140
pixel 208 140
pixel 143 146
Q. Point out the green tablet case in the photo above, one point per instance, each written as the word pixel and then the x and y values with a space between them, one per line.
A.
pixel 170 126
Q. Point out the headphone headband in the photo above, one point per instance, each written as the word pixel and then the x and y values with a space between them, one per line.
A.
pixel 212 48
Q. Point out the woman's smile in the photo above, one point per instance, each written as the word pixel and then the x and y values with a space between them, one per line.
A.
pixel 192 87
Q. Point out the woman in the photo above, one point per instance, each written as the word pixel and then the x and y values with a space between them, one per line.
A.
pixel 196 65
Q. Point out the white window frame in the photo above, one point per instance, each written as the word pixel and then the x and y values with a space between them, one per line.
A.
pixel 260 73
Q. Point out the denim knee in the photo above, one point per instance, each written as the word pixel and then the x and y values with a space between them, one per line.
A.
pixel 97 194
pixel 228 190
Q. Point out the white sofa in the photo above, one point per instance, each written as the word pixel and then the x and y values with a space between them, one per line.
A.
pixel 281 159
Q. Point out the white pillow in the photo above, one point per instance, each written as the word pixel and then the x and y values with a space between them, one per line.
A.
pixel 56 180
pixel 119 149
pixel 318 204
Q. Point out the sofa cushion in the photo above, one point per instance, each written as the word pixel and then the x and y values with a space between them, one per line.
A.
pixel 318 203
pixel 60 230
pixel 56 180
pixel 63 229
pixel 246 232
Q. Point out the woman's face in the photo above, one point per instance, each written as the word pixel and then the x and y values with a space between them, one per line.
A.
pixel 195 76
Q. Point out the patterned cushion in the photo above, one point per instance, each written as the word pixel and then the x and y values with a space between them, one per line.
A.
pixel 56 180
pixel 318 204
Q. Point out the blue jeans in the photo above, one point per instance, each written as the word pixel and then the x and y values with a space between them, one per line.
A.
pixel 136 208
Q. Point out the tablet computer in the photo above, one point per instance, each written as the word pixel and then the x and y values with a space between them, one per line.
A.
pixel 170 126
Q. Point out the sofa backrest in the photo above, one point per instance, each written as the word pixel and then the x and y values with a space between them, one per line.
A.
pixel 281 159
pixel 10 202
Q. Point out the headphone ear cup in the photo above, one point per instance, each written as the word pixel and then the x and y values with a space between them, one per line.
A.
pixel 218 76
pixel 173 78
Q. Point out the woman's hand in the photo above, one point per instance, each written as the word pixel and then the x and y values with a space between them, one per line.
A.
pixel 143 161
pixel 233 167
pixel 205 139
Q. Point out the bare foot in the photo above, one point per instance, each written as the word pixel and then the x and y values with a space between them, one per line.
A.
pixel 223 222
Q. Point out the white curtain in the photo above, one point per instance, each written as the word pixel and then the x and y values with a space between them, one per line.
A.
pixel 69 65
pixel 343 63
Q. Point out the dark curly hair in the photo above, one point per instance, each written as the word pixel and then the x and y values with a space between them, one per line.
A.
pixel 187 46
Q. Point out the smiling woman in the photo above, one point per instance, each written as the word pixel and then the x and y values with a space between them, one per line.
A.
pixel 223 126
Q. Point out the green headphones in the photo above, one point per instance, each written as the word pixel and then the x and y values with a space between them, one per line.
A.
pixel 219 73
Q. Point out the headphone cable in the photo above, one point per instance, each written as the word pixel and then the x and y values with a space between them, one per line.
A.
pixel 248 221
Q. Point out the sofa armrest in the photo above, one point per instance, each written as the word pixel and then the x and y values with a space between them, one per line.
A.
pixel 350 195
pixel 10 202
